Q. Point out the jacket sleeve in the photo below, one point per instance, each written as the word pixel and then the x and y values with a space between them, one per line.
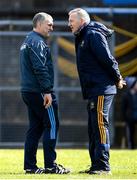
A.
pixel 39 58
pixel 100 48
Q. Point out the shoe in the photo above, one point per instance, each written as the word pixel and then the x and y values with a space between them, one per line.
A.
pixel 100 172
pixel 35 171
pixel 86 171
pixel 57 169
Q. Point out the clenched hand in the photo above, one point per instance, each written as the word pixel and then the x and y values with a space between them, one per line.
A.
pixel 47 100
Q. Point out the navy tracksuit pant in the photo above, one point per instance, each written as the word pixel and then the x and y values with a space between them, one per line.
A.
pixel 41 122
pixel 98 124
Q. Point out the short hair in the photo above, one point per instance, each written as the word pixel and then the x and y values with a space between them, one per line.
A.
pixel 40 17
pixel 82 14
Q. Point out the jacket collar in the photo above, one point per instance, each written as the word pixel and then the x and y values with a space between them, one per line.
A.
pixel 35 32
pixel 81 29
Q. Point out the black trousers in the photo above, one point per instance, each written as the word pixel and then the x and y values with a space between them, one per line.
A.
pixel 98 125
pixel 42 122
pixel 130 133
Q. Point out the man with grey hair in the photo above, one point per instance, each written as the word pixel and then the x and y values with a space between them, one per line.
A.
pixel 37 81
pixel 99 76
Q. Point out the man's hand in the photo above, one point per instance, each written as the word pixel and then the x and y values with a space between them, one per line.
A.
pixel 47 100
pixel 121 83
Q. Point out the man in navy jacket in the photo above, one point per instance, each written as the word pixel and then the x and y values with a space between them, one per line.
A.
pixel 99 75
pixel 37 80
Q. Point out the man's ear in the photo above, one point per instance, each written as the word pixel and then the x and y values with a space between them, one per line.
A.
pixel 38 24
pixel 82 21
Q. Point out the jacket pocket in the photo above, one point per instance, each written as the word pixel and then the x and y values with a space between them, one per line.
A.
pixel 88 81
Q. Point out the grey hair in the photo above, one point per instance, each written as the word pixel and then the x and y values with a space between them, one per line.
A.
pixel 40 17
pixel 82 14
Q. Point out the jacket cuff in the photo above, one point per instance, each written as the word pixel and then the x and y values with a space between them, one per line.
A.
pixel 47 91
pixel 118 78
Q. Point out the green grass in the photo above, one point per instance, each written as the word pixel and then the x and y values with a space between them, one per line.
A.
pixel 123 164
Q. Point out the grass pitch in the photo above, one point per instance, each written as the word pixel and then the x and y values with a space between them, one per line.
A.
pixel 123 164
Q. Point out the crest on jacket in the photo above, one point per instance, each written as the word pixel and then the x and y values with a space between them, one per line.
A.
pixel 82 43
pixel 92 105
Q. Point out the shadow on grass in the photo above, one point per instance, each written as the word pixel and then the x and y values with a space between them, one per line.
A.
pixel 11 173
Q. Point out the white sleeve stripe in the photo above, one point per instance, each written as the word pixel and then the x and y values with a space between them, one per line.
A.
pixel 43 63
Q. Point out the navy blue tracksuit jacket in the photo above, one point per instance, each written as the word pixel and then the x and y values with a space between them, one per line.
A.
pixel 36 65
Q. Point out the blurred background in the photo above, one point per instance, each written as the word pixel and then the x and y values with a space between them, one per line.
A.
pixel 16 21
